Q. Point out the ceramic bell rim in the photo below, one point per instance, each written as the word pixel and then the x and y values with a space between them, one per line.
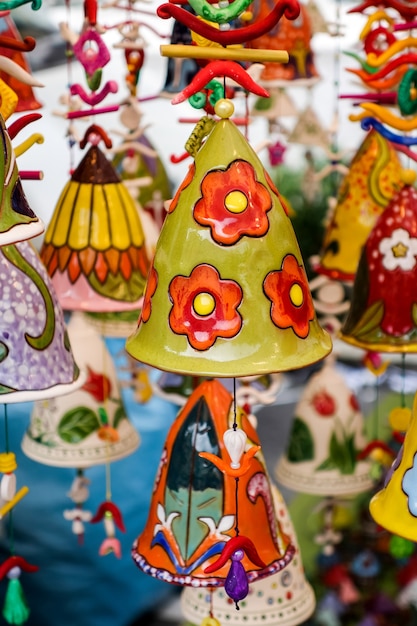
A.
pixel 384 298
pixel 94 246
pixel 96 453
pixel 285 598
pixel 203 306
pixel 326 436
pixel 17 222
pixel 394 506
pixel 36 356
pixel 87 427
pixel 192 514
pixel 113 324
pixel 375 176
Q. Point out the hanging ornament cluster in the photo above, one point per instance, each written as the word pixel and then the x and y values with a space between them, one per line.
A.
pixel 382 311
pixel 36 360
pixel 226 264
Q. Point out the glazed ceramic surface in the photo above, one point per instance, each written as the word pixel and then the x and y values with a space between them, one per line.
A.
pixel 94 246
pixel 327 434
pixel 285 598
pixel 36 360
pixel 382 316
pixel 293 36
pixel 17 220
pixel 227 294
pixel 395 506
pixel 193 510
pixel 373 179
pixel 89 426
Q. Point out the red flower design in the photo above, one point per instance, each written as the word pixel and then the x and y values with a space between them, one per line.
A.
pixel 233 203
pixel 149 292
pixel 292 306
pixel 187 180
pixel 204 307
pixel 323 403
pixel 98 385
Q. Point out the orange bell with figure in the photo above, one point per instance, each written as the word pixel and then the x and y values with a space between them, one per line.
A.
pixel 200 515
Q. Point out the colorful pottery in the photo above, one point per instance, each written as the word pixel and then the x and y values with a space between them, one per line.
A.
pixel 26 100
pixel 227 263
pixel 94 248
pixel 285 598
pixel 36 360
pixel 89 426
pixel 193 511
pixel 327 434
pixel 395 506
pixel 17 220
pixel 384 299
pixel 293 36
pixel 373 180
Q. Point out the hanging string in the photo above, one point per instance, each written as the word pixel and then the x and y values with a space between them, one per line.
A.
pixel 6 429
pixel 7 449
pixel 403 374
pixel 236 478
pixel 376 412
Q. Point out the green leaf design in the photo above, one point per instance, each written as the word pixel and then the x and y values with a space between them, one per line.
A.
pixel 119 415
pixel 194 486
pixel 370 320
pixel 301 446
pixel 5 389
pixel 4 351
pixel 77 424
pixel 342 454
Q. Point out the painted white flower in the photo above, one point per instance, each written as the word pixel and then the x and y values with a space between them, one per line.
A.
pixel 166 522
pixel 399 250
pixel 225 524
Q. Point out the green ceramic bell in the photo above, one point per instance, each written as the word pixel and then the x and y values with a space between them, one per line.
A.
pixel 227 294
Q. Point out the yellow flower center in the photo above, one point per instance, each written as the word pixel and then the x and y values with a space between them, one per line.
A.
pixel 236 202
pixel 204 303
pixel 296 295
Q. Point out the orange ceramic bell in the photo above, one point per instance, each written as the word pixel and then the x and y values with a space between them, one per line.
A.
pixel 294 36
pixel 26 100
pixel 285 598
pixel 373 179
pixel 193 514
pixel 226 265
pixel 382 315
pixel 395 506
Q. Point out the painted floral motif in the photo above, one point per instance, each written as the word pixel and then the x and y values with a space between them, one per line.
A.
pixel 292 306
pixel 150 290
pixel 409 486
pixel 399 250
pixel 204 307
pixel 97 384
pixel 323 403
pixel 233 203
pixel 187 180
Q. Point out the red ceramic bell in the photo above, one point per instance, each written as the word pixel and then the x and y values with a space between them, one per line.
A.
pixel 383 316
